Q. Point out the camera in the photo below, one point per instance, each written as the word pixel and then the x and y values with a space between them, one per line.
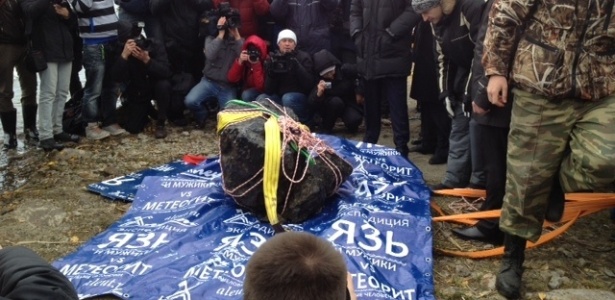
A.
pixel 233 19
pixel 281 63
pixel 140 40
pixel 327 85
pixel 209 20
pixel 253 53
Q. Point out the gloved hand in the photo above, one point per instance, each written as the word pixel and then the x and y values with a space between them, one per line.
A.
pixel 448 103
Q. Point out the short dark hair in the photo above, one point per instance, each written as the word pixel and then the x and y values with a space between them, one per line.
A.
pixel 298 266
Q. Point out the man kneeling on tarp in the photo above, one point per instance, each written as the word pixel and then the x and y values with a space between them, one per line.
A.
pixel 26 275
pixel 298 266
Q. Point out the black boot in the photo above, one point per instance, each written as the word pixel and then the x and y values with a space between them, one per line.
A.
pixel 29 123
pixel 555 206
pixel 160 132
pixel 9 124
pixel 50 145
pixel 508 281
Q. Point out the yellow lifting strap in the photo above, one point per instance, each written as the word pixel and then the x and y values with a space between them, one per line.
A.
pixel 271 173
pixel 226 118
pixel 273 156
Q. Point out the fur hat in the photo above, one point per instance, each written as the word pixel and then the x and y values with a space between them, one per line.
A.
pixel 421 6
pixel 287 34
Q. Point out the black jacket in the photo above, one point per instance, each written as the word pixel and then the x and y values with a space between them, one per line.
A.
pixel 309 19
pixel 497 116
pixel 50 32
pixel 381 30
pixel 425 81
pixel 25 275
pixel 180 21
pixel 298 79
pixel 455 37
pixel 342 86
pixel 139 77
pixel 12 23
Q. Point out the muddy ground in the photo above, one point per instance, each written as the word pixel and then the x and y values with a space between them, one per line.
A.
pixel 44 205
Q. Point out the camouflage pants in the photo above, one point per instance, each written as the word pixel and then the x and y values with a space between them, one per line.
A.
pixel 540 133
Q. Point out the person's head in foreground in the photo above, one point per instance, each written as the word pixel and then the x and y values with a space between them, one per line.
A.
pixel 296 265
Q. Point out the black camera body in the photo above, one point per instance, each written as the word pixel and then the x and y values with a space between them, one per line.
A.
pixel 209 20
pixel 142 42
pixel 233 19
pixel 253 53
pixel 281 63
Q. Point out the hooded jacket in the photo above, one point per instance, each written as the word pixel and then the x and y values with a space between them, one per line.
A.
pixel 12 23
pixel 25 275
pixel 342 85
pixel 566 51
pixel 249 12
pixel 456 36
pixel 50 32
pixel 252 75
pixel 139 77
pixel 381 30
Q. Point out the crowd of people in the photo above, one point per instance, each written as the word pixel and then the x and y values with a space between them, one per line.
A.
pixel 172 62
pixel 350 60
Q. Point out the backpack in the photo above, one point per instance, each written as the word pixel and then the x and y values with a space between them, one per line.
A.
pixel 72 120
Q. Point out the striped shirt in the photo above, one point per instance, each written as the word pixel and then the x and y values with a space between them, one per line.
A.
pixel 97 20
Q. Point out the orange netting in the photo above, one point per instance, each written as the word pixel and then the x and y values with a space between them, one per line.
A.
pixel 577 205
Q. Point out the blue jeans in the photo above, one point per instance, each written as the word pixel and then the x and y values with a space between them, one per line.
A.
pixel 295 101
pixel 205 91
pixel 100 91
pixel 250 94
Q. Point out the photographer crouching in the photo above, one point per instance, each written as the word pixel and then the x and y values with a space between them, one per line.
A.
pixel 220 52
pixel 289 76
pixel 337 94
pixel 144 70
pixel 249 69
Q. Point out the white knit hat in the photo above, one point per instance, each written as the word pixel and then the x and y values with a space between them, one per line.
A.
pixel 287 34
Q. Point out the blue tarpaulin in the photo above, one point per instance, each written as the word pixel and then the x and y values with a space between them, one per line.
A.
pixel 183 238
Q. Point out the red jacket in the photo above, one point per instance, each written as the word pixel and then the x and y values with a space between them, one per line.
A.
pixel 249 10
pixel 252 75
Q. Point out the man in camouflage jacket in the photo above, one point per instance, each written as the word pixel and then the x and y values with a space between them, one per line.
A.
pixel 561 67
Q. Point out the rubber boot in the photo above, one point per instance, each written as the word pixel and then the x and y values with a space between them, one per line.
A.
pixel 508 281
pixel 9 124
pixel 29 123
pixel 555 206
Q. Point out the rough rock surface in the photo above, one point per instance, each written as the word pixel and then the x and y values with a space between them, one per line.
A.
pixel 242 152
